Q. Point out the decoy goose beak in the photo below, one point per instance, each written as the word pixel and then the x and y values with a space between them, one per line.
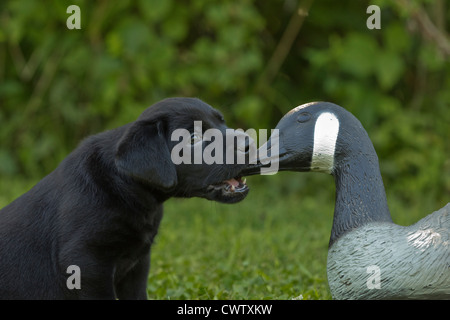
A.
pixel 270 157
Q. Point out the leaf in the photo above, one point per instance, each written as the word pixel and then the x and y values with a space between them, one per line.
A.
pixel 8 164
pixel 356 54
pixel 389 69
pixel 155 10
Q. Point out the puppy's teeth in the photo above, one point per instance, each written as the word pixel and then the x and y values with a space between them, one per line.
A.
pixel 232 188
pixel 244 181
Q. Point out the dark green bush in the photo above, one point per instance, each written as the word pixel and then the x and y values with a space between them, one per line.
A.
pixel 58 85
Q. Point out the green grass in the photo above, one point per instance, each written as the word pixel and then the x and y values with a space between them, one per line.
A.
pixel 272 245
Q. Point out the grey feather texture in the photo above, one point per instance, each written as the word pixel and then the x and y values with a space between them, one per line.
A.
pixel 413 262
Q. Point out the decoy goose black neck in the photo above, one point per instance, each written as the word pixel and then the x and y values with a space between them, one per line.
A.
pixel 360 193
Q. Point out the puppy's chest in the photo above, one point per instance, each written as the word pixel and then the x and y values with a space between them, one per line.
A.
pixel 140 227
pixel 134 239
pixel 135 250
pixel 138 237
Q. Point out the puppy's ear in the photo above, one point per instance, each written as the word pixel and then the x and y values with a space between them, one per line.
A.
pixel 142 153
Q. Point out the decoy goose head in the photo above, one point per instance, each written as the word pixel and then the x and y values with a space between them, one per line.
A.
pixel 306 139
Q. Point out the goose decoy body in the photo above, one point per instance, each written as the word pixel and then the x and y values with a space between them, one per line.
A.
pixel 369 256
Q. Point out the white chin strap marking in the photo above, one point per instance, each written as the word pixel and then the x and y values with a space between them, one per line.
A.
pixel 325 135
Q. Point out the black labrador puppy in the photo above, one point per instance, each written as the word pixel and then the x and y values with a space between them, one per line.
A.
pixel 85 230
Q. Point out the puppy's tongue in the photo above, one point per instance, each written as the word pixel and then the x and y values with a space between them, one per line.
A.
pixel 232 182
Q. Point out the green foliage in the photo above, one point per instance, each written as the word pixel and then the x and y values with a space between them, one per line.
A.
pixel 62 85
pixel 58 85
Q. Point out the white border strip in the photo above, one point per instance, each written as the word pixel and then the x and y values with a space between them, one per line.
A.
pixel 325 135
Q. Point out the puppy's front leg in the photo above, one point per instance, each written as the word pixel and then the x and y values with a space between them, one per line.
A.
pixel 98 291
pixel 133 285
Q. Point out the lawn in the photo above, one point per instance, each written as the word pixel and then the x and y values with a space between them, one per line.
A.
pixel 272 245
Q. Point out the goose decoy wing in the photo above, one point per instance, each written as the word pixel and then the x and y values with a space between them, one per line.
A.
pixel 387 261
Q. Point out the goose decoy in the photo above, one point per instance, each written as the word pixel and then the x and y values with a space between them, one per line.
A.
pixel 369 256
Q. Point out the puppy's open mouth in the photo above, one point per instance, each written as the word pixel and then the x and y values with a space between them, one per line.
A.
pixel 234 185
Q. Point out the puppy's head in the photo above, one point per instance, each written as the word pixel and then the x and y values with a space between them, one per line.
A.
pixel 164 149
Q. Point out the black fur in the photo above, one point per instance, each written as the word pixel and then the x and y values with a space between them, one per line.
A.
pixel 101 207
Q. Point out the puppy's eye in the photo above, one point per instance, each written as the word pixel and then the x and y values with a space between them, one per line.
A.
pixel 304 117
pixel 195 137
